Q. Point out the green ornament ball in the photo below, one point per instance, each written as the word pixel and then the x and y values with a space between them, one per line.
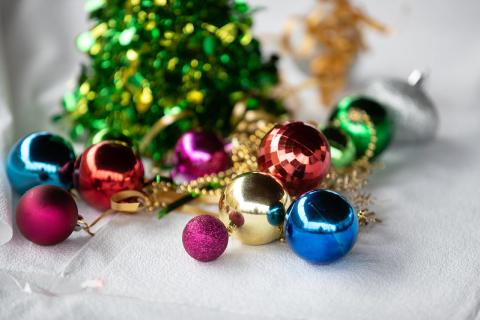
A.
pixel 342 147
pixel 347 116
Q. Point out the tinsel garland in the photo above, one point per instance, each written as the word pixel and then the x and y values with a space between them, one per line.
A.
pixel 155 58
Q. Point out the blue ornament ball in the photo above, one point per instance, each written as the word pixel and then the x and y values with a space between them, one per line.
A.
pixel 40 158
pixel 321 226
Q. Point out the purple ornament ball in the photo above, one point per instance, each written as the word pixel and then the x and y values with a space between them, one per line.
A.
pixel 205 238
pixel 199 153
pixel 46 215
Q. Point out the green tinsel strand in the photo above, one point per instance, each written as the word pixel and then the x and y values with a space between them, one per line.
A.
pixel 151 58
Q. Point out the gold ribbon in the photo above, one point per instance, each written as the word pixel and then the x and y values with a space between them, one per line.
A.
pixel 161 124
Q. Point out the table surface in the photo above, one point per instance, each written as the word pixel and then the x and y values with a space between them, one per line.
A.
pixel 422 262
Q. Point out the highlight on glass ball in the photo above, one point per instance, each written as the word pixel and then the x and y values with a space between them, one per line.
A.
pixel 254 204
pixel 105 169
pixel 199 153
pixel 40 158
pixel 321 226
pixel 297 154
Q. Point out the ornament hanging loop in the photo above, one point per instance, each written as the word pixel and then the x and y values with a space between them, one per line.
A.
pixel 83 225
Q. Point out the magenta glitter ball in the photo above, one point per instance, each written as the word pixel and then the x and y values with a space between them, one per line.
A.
pixel 297 154
pixel 199 153
pixel 205 238
pixel 46 215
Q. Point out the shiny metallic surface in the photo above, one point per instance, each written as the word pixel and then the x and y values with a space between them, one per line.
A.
pixel 297 154
pixel 40 158
pixel 252 195
pixel 345 116
pixel 321 226
pixel 199 153
pixel 413 112
pixel 342 148
pixel 105 169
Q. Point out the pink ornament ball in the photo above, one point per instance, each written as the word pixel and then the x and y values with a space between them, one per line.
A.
pixel 46 215
pixel 205 238
pixel 199 153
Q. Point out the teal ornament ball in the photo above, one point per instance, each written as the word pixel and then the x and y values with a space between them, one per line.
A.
pixel 40 158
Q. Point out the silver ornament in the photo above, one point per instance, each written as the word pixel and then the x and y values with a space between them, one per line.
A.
pixel 413 112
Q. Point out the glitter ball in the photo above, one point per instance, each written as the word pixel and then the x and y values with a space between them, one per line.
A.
pixel 297 154
pixel 205 238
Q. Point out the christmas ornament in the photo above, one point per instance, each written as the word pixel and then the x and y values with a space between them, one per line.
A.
pixel 375 128
pixel 321 226
pixel 205 238
pixel 342 147
pixel 326 43
pixel 199 153
pixel 105 169
pixel 46 215
pixel 295 153
pixel 413 112
pixel 253 204
pixel 157 59
pixel 40 158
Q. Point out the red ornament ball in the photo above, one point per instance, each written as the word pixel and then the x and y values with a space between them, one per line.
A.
pixel 46 215
pixel 297 154
pixel 205 238
pixel 105 169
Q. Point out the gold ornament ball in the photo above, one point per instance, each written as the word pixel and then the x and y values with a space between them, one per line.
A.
pixel 246 203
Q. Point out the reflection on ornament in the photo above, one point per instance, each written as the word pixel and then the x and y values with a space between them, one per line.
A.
pixel 199 153
pixel 46 215
pixel 297 154
pixel 105 169
pixel 347 115
pixel 321 226
pixel 40 158
pixel 251 204
pixel 411 109
pixel 342 147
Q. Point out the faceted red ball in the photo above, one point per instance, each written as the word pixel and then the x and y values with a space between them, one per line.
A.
pixel 105 169
pixel 46 215
pixel 297 154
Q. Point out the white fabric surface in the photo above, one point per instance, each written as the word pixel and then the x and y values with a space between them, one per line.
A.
pixel 422 262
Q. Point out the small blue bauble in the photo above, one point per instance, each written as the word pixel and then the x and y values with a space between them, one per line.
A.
pixel 276 214
pixel 40 158
pixel 321 226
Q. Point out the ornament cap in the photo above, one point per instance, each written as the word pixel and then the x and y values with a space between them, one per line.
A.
pixel 416 78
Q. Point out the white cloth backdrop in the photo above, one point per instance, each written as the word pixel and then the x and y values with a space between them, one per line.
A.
pixel 422 262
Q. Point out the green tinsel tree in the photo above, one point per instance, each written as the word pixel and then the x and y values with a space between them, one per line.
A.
pixel 152 58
